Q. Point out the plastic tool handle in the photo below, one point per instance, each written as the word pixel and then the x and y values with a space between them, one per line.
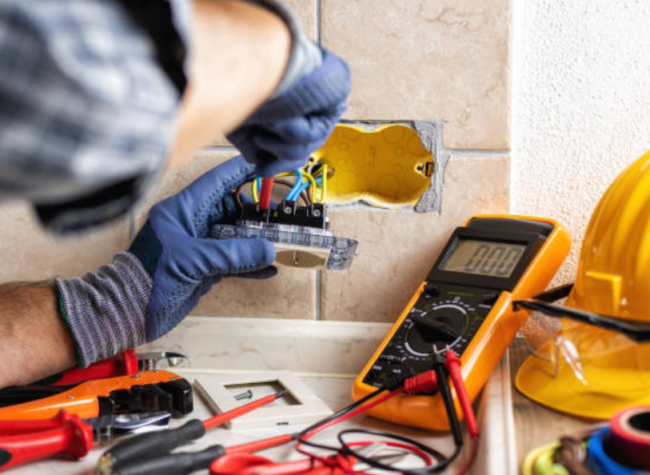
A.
pixel 452 362
pixel 241 410
pixel 174 464
pixel 157 444
pixel 124 364
pixel 30 426
pixel 74 437
pixel 149 446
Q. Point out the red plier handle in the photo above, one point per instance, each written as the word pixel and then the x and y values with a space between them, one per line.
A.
pixel 124 364
pixel 25 441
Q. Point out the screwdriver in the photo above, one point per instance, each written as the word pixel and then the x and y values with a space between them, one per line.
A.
pixel 145 447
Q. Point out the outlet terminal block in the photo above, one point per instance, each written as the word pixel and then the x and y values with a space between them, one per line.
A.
pixel 301 235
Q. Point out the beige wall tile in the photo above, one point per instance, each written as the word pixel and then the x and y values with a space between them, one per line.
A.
pixel 424 59
pixel 177 178
pixel 397 249
pixel 30 253
pixel 306 12
pixel 291 294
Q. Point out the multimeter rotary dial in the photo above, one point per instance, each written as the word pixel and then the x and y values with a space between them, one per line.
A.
pixel 443 325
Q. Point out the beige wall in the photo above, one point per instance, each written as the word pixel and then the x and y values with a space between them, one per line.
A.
pixel 446 61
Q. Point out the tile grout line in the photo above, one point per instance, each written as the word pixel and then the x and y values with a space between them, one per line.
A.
pixel 318 22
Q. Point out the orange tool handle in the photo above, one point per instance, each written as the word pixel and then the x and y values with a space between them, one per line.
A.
pixel 73 436
pixel 82 400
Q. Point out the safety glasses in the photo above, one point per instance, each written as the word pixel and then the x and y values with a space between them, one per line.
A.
pixel 598 352
pixel 637 331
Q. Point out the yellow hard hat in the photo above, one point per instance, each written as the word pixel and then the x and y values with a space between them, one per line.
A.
pixel 597 361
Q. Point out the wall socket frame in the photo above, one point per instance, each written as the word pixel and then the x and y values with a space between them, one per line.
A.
pixel 301 406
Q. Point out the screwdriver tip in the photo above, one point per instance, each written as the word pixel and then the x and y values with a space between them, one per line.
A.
pixel 281 394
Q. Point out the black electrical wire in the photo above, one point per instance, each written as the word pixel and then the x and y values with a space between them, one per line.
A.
pixel 454 424
pixel 443 462
pixel 336 415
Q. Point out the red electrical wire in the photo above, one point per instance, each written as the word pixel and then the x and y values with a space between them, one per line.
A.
pixel 360 410
pixel 265 193
pixel 452 362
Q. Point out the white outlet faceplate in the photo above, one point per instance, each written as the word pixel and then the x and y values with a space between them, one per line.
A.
pixel 300 405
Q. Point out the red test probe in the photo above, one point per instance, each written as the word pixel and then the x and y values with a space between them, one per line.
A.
pixel 452 363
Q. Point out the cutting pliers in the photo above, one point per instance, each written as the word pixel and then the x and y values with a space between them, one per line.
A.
pixel 23 441
pixel 141 392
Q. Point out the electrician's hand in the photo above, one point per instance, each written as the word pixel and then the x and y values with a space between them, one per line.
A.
pixel 298 119
pixel 172 262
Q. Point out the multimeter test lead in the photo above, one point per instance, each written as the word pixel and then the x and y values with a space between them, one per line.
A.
pixel 429 382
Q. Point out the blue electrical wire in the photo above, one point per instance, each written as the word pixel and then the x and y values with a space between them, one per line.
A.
pixel 294 193
pixel 600 461
pixel 292 196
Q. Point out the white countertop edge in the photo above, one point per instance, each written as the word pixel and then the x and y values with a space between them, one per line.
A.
pixel 498 445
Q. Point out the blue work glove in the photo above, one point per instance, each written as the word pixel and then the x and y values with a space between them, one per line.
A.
pixel 172 262
pixel 299 117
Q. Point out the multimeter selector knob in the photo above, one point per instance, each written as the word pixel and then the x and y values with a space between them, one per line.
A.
pixel 438 327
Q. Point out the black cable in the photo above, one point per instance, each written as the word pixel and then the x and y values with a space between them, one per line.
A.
pixel 386 435
pixel 345 449
pixel 336 415
pixel 454 424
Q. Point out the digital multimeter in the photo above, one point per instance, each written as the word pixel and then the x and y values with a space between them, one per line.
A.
pixel 465 304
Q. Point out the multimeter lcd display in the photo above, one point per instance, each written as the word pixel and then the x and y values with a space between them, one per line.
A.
pixel 488 258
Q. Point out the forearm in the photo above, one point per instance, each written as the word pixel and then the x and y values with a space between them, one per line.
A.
pixel 34 341
pixel 239 54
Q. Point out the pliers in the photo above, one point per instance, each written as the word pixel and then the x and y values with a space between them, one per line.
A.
pixel 23 441
pixel 141 392
pixel 126 363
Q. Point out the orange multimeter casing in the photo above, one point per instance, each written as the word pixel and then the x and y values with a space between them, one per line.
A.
pixel 465 304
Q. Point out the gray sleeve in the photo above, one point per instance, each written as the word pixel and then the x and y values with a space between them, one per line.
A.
pixel 305 55
pixel 104 310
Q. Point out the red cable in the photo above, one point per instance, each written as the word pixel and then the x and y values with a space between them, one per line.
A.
pixel 452 362
pixel 265 193
pixel 341 419
pixel 360 410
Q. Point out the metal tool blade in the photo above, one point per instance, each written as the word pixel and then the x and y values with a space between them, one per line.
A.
pixel 149 361
pixel 107 427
